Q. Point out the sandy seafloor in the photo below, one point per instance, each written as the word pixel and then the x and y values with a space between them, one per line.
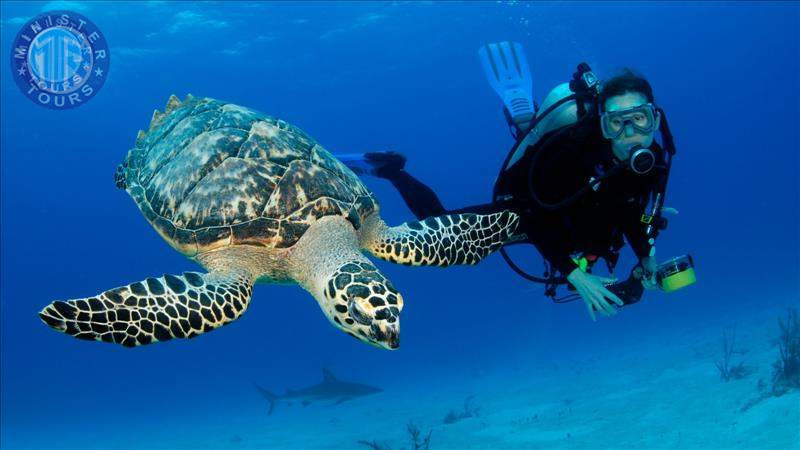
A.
pixel 662 392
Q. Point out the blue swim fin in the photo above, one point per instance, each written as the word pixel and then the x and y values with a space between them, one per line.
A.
pixel 379 164
pixel 355 162
pixel 507 71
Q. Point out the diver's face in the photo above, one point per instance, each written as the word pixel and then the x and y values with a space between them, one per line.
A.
pixel 630 137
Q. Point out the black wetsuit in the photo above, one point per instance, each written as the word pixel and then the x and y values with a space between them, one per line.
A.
pixel 593 224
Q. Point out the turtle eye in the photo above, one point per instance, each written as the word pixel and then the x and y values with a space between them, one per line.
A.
pixel 358 314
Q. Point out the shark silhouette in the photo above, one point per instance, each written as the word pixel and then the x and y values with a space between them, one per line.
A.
pixel 330 388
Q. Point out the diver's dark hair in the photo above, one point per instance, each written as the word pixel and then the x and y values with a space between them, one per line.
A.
pixel 626 81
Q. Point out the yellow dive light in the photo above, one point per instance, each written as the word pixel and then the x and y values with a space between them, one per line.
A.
pixel 676 273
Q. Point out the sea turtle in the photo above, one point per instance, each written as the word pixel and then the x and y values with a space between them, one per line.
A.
pixel 253 199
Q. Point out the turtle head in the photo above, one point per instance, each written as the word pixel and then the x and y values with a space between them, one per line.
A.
pixel 364 304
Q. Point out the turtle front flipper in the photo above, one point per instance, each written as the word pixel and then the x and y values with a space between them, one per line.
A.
pixel 153 310
pixel 441 240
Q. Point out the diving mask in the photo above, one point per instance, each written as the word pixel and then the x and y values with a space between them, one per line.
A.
pixel 642 118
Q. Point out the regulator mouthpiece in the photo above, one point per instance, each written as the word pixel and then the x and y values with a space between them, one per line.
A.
pixel 642 161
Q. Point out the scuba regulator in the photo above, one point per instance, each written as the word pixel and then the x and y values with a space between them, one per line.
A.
pixel 641 161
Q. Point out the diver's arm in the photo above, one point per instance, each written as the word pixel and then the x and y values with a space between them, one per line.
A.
pixel 635 231
pixel 639 243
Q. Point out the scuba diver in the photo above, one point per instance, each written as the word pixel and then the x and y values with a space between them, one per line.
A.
pixel 585 174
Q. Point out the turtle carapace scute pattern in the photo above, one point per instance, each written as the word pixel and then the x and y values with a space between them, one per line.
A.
pixel 214 174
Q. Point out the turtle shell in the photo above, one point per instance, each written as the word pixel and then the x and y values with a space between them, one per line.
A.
pixel 209 174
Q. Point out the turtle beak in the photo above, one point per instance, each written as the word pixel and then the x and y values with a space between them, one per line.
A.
pixel 387 334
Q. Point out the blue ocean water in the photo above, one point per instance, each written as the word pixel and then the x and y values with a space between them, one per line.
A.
pixel 367 76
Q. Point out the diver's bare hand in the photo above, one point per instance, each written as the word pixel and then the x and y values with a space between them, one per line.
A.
pixel 594 292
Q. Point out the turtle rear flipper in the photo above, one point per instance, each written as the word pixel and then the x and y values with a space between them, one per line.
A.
pixel 442 240
pixel 153 310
